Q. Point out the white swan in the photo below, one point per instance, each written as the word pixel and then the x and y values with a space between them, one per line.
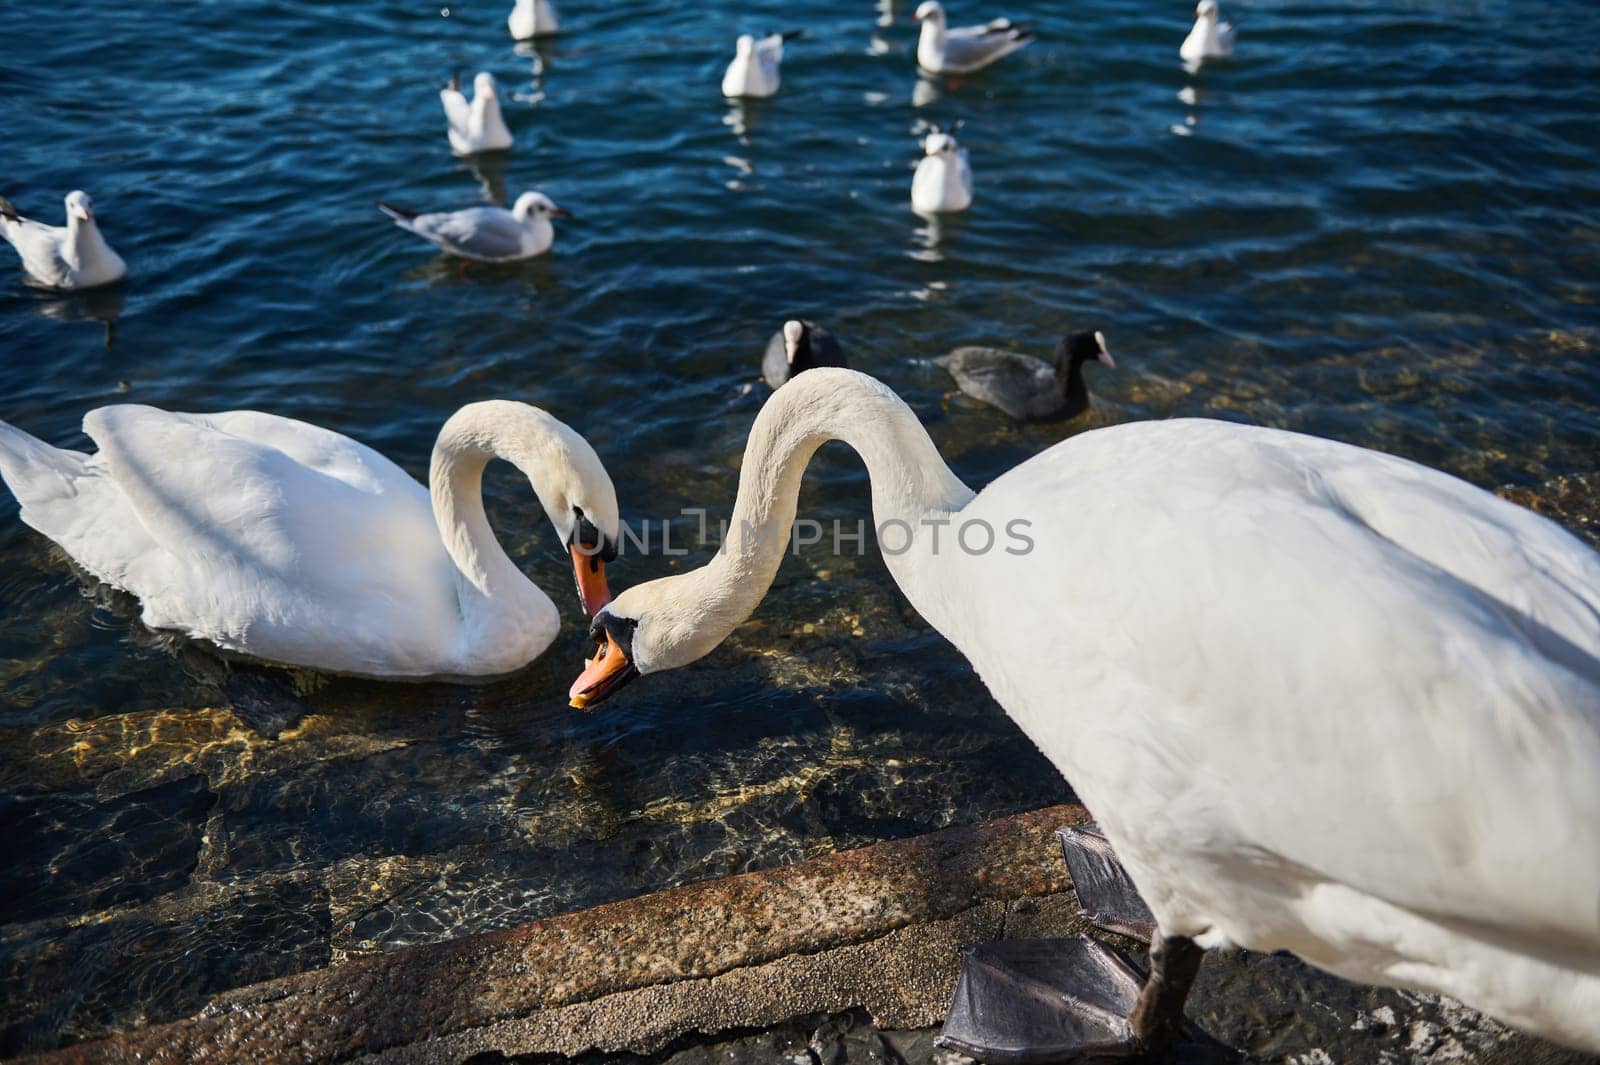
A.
pixel 1210 38
pixel 73 256
pixel 943 179
pixel 477 126
pixel 533 18
pixel 965 49
pixel 291 543
pixel 487 234
pixel 756 68
pixel 1320 698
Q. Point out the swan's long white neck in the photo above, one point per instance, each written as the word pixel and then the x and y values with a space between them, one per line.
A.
pixel 524 436
pixel 910 484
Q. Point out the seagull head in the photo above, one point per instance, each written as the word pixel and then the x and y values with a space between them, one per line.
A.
pixel 484 84
pixel 937 143
pixel 746 45
pixel 80 206
pixel 1206 10
pixel 929 10
pixel 536 205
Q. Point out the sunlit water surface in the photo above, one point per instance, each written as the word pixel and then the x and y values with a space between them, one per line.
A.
pixel 1378 224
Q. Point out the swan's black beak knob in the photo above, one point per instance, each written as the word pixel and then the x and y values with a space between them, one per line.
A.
pixel 610 668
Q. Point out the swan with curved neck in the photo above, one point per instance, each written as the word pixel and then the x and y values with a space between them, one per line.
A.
pixel 1320 698
pixel 290 543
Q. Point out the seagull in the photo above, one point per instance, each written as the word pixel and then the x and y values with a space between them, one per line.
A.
pixel 754 70
pixel 478 126
pixel 968 48
pixel 533 18
pixel 1210 39
pixel 943 181
pixel 69 257
pixel 487 234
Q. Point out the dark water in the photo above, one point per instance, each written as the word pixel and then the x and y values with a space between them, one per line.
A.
pixel 1379 224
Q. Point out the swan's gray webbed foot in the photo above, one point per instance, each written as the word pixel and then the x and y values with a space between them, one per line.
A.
pixel 1105 894
pixel 1030 1002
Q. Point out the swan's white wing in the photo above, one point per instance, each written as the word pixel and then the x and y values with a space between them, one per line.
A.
pixel 69 497
pixel 488 233
pixel 1300 663
pixel 457 111
pixel 276 537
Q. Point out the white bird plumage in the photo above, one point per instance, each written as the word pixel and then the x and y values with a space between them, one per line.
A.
pixel 942 49
pixel 73 256
pixel 943 179
pixel 533 18
pixel 756 66
pixel 1320 698
pixel 477 126
pixel 292 543
pixel 487 234
pixel 1210 38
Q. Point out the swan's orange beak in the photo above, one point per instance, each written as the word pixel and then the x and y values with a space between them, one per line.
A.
pixel 590 570
pixel 603 674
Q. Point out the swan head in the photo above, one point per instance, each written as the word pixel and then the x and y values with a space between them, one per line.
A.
pixel 1206 11
pixel 581 502
pixel 79 206
pixel 929 11
pixel 652 627
pixel 566 475
pixel 537 205
pixel 1075 349
pixel 745 45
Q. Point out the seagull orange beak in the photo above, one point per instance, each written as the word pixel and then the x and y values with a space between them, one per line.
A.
pixel 603 674
pixel 590 570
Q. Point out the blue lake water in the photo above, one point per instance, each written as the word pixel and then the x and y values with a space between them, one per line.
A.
pixel 1379 223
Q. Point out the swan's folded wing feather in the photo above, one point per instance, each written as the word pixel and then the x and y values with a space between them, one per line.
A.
pixel 69 497
pixel 1277 617
pixel 264 522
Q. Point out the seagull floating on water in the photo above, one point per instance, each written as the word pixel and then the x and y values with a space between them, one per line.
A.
pixel 533 18
pixel 754 70
pixel 1210 38
pixel 943 181
pixel 966 49
pixel 799 346
pixel 478 126
pixel 486 234
pixel 73 256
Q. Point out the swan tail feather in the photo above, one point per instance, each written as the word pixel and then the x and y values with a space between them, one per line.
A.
pixel 35 471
